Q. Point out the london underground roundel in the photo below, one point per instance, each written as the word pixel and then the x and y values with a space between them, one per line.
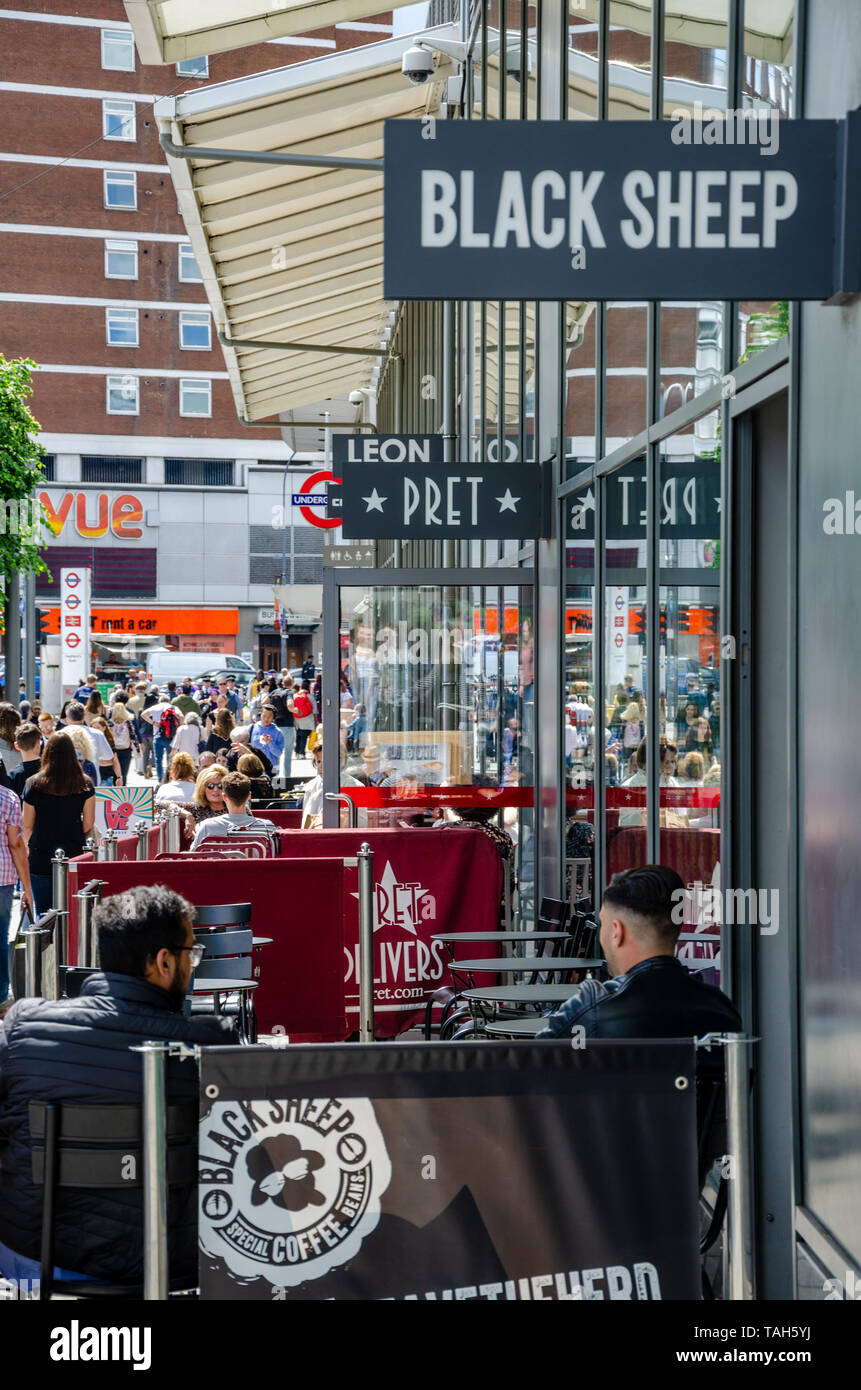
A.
pixel 306 505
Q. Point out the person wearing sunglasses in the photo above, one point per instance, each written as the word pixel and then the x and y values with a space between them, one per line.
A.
pixel 76 1051
pixel 207 799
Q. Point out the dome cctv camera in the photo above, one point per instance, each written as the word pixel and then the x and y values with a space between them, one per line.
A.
pixel 356 398
pixel 417 64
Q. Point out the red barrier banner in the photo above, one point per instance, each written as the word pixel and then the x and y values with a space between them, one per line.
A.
pixel 412 794
pixel 299 905
pixel 286 818
pixel 426 881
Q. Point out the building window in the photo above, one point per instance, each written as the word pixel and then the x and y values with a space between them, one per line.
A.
pixel 189 271
pixel 199 472
pixel 121 260
pixel 195 396
pixel 48 464
pixel 123 395
pixel 193 67
pixel 98 468
pixel 118 50
pixel 194 330
pixel 118 120
pixel 121 327
pixel 121 189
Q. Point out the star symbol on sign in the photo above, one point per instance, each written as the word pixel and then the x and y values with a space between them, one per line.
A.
pixel 375 502
pixel 507 503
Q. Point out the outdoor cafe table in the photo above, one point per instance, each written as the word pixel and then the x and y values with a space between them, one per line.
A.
pixel 512 964
pixel 504 936
pixel 219 986
pixel 515 1027
pixel 520 994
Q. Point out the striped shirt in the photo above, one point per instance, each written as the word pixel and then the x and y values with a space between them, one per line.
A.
pixel 10 814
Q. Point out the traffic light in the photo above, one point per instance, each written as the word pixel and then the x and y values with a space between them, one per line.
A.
pixel 41 624
pixel 683 619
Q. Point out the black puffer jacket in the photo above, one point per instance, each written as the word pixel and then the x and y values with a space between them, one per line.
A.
pixel 77 1050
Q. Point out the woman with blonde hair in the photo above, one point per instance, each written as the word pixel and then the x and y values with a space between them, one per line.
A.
pixel 207 799
pixel 181 783
pixel 85 749
pixel 122 727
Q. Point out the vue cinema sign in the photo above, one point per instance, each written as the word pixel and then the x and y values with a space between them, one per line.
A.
pixel 621 210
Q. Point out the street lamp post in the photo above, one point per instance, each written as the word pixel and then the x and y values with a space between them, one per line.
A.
pixel 290 456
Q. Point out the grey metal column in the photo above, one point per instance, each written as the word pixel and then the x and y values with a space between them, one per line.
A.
pixel 143 839
pixel 329 694
pixel 154 1171
pixel 32 962
pixel 740 1260
pixel 366 942
pixel 60 897
pixel 86 936
pixel 548 597
pixel 31 645
pixel 12 637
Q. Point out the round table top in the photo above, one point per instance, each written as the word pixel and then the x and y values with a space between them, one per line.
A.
pixel 216 986
pixel 522 994
pixel 523 936
pixel 516 1027
pixel 511 964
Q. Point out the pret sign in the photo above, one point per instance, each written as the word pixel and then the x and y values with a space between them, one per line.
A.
pixel 466 501
pixel 74 625
pixel 622 209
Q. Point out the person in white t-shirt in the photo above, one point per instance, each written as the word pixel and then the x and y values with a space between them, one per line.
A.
pixel 180 788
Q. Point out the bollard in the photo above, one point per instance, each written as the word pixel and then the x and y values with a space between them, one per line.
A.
pixel 143 839
pixel 32 962
pixel 740 1187
pixel 60 893
pixel 110 845
pixel 50 925
pixel 162 832
pixel 366 943
pixel 86 934
pixel 173 830
pixel 91 847
pixel 154 1171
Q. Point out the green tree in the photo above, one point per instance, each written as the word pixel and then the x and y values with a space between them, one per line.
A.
pixel 21 525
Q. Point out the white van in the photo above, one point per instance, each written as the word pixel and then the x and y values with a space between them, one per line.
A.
pixel 164 665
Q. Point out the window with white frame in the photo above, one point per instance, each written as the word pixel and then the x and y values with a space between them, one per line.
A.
pixel 194 330
pixel 123 395
pixel 121 189
pixel 118 120
pixel 195 396
pixel 189 270
pixel 193 67
pixel 121 260
pixel 121 327
pixel 118 50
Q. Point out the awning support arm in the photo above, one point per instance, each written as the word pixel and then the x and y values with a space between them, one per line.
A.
pixel 219 156
pixel 299 347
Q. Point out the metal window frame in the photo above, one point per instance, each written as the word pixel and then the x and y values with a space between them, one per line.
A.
pixel 204 315
pixel 133 315
pixel 120 178
pixel 137 397
pixel 129 248
pixel 118 36
pixel 128 122
pixel 191 383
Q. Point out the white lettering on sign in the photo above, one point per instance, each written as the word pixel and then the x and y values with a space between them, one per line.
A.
pixel 375 448
pixel 707 209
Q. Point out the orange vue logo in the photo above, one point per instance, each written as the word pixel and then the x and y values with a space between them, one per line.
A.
pixel 120 515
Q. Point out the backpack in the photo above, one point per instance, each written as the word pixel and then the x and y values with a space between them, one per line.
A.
pixel 302 705
pixel 169 723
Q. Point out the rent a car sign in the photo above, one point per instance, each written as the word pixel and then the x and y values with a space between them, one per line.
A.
pixel 733 208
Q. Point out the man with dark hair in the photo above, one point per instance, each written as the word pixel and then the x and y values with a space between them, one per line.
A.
pixel 77 1051
pixel 236 789
pixel 28 741
pixel 651 994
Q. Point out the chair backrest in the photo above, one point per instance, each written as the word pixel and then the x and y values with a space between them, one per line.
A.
pixel 552 914
pixel 248 848
pixel 99 1147
pixel 219 968
pixel 221 915
pixel 225 943
pixel 584 935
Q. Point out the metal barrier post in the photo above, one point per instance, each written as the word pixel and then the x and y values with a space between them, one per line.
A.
pixel 154 1171
pixel 110 843
pixel 32 962
pixel 86 936
pixel 60 895
pixel 91 847
pixel 162 832
pixel 366 942
pixel 173 825
pixel 143 837
pixel 50 926
pixel 740 1263
pixel 353 809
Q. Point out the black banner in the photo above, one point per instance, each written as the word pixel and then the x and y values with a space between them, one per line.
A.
pixel 466 501
pixel 386 448
pixel 689 503
pixel 492 1171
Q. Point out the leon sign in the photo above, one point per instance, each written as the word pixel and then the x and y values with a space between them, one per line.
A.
pixel 618 210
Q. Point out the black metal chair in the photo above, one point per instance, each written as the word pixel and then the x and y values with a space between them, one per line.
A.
pixel 99 1148
pixel 231 951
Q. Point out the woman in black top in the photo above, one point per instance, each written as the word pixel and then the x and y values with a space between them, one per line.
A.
pixel 219 740
pixel 59 806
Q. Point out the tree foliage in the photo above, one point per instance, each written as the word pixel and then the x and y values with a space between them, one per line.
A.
pixel 21 525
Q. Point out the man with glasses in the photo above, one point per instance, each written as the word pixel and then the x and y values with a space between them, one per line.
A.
pixel 77 1051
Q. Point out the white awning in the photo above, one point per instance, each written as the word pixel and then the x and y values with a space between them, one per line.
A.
pixel 294 253
pixel 167 31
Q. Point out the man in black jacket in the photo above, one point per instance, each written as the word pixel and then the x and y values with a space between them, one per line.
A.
pixel 78 1051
